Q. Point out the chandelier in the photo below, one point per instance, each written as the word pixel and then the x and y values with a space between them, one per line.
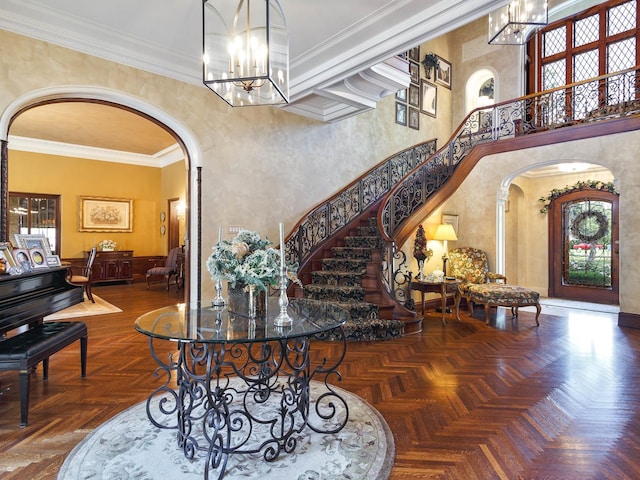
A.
pixel 512 24
pixel 246 51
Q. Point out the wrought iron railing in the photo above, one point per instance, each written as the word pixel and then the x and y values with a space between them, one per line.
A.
pixel 338 211
pixel 604 97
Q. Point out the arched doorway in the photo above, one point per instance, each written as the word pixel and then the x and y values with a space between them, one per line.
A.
pixel 181 134
pixel 583 246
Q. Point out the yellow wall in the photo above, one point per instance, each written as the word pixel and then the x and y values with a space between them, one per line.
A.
pixel 72 178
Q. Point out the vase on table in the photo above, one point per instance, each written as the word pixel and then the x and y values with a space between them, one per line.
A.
pixel 246 300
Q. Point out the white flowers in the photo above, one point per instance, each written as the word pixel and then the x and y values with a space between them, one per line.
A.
pixel 107 245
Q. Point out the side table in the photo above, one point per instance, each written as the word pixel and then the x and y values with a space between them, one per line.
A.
pixel 444 288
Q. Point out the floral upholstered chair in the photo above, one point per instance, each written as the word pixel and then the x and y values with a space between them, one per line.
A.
pixel 479 285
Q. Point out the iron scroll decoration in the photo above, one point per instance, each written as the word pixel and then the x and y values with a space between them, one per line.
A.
pixel 599 218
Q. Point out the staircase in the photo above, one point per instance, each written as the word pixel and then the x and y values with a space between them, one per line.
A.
pixel 348 277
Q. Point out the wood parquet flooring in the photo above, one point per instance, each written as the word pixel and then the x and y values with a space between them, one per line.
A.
pixel 464 401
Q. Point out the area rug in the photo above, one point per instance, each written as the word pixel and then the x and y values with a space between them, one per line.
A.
pixel 85 309
pixel 129 446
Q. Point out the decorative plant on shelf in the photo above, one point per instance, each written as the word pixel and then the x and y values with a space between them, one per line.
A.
pixel 247 260
pixel 581 185
pixel 107 245
pixel 430 61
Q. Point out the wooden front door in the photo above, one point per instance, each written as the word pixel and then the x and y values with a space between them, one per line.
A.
pixel 583 246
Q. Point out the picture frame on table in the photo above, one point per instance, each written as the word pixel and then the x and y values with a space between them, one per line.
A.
pixel 452 220
pixel 38 258
pixel 401 114
pixel 53 261
pixel 414 71
pixel 414 118
pixel 443 72
pixel 414 95
pixel 5 253
pixel 22 258
pixel 102 214
pixel 31 240
pixel 428 98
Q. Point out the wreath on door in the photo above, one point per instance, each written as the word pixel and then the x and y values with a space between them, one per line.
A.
pixel 578 229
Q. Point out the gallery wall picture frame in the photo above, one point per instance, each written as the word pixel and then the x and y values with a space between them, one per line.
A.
pixel 414 95
pixel 414 53
pixel 428 98
pixel 102 214
pixel 5 253
pixel 414 118
pixel 443 72
pixel 414 71
pixel 452 220
pixel 401 95
pixel 32 240
pixel 38 258
pixel 401 114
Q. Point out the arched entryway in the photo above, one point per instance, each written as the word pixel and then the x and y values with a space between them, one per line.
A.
pixel 181 133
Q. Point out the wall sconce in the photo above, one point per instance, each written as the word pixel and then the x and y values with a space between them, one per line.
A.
pixel 512 24
pixel 246 51
pixel 444 233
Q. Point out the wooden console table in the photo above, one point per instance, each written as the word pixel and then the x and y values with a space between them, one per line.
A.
pixel 447 287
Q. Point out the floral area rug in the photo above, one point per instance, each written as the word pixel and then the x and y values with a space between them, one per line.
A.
pixel 129 446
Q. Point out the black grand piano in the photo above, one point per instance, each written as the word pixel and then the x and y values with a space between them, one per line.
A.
pixel 25 340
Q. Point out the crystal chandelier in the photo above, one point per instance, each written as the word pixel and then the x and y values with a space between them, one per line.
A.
pixel 246 51
pixel 512 24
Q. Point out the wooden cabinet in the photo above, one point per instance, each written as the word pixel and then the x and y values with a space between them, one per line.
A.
pixel 113 266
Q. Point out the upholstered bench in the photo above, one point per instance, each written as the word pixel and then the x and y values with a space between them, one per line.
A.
pixel 502 295
pixel 24 351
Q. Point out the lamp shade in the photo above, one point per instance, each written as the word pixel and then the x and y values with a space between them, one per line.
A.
pixel 512 24
pixel 445 232
pixel 246 51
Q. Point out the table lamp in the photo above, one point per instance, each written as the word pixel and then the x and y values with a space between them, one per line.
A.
pixel 445 232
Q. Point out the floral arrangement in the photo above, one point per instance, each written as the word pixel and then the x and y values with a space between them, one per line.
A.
pixel 420 245
pixel 247 260
pixel 581 185
pixel 107 245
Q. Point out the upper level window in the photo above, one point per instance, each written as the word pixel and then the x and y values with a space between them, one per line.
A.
pixel 595 42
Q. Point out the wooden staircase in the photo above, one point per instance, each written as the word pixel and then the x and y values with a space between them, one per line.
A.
pixel 347 273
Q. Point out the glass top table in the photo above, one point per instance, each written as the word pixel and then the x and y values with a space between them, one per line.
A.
pixel 193 322
pixel 243 384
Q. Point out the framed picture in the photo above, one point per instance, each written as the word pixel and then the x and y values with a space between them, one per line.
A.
pixel 38 258
pixel 443 73
pixel 414 54
pixel 414 118
pixel 5 253
pixel 106 214
pixel 53 261
pixel 401 114
pixel 27 241
pixel 452 220
pixel 414 71
pixel 401 95
pixel 414 95
pixel 428 98
pixel 22 259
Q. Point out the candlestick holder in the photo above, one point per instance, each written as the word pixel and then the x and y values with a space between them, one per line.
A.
pixel 283 319
pixel 219 300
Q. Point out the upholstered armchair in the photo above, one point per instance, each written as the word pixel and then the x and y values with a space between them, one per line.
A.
pixel 479 285
pixel 168 271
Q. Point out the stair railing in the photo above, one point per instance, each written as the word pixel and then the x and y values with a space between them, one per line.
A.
pixel 601 98
pixel 329 217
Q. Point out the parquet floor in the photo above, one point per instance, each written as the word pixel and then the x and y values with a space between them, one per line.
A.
pixel 464 401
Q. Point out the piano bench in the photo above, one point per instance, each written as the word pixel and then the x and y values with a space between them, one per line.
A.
pixel 25 350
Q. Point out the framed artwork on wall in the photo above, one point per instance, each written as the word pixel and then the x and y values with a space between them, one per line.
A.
pixel 401 114
pixel 414 95
pixel 443 72
pixel 401 95
pixel 99 214
pixel 414 71
pixel 414 53
pixel 428 98
pixel 414 118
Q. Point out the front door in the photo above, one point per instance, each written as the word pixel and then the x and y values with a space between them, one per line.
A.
pixel 583 246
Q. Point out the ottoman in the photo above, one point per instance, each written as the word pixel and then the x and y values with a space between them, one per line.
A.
pixel 502 295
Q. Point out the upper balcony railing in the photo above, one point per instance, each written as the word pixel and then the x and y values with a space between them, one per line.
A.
pixel 604 97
